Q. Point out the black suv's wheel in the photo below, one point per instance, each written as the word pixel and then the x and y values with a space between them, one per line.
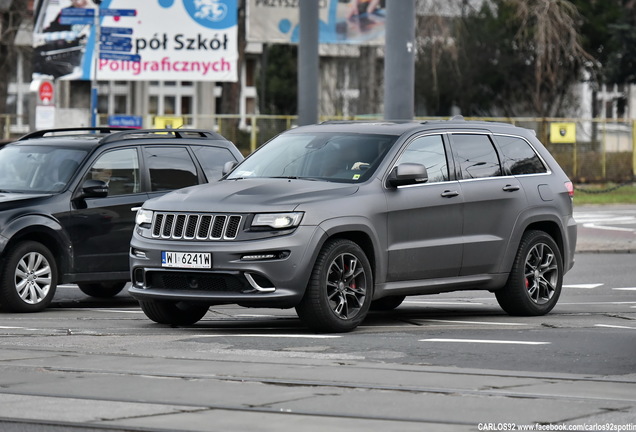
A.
pixel 387 303
pixel 534 284
pixel 173 313
pixel 339 292
pixel 102 290
pixel 29 278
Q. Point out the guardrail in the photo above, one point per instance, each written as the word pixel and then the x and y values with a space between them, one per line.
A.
pixel 603 150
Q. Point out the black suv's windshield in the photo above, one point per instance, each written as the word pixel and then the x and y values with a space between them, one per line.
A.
pixel 324 156
pixel 37 169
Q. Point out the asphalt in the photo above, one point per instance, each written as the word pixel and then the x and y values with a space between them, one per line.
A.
pixel 609 228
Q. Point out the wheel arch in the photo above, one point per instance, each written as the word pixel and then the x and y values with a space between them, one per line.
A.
pixel 42 230
pixel 358 232
pixel 550 226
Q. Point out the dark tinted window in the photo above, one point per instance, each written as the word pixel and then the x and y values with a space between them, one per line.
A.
pixel 212 160
pixel 518 157
pixel 476 156
pixel 170 168
pixel 119 169
pixel 428 151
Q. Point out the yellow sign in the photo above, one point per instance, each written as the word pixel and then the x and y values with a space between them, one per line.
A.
pixel 563 133
pixel 168 122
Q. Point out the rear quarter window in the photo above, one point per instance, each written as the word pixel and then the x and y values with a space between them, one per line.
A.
pixel 518 157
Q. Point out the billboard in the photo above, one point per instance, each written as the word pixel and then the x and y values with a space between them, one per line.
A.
pixel 341 21
pixel 158 40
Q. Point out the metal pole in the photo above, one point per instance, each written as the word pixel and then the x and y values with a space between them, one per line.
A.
pixel 308 63
pixel 399 60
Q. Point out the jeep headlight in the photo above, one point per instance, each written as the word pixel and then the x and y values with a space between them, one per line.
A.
pixel 277 220
pixel 144 217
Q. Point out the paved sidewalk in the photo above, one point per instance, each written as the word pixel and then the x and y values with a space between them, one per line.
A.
pixel 606 228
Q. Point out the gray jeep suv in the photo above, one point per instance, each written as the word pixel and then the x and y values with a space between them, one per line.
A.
pixel 339 218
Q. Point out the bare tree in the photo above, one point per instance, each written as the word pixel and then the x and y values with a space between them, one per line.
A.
pixel 548 36
pixel 12 14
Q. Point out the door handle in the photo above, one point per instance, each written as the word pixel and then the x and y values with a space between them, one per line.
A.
pixel 450 193
pixel 511 188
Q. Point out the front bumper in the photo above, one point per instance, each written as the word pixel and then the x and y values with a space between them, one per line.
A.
pixel 261 273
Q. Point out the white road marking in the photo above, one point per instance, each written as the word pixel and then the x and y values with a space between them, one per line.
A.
pixel 485 341
pixel 290 336
pixel 614 326
pixel 624 289
pixel 476 322
pixel 584 286
pixel 448 303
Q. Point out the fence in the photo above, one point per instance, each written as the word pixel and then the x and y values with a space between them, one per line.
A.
pixel 602 149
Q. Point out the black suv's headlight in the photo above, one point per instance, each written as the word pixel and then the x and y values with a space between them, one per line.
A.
pixel 277 220
pixel 144 217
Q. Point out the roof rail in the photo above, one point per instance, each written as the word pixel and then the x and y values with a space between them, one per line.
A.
pixel 167 133
pixel 41 133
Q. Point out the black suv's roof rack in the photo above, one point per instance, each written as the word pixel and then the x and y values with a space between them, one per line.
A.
pixel 159 133
pixel 102 130
pixel 168 133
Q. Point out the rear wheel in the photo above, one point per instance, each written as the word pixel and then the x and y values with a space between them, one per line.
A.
pixel 173 313
pixel 102 290
pixel 534 284
pixel 29 278
pixel 339 292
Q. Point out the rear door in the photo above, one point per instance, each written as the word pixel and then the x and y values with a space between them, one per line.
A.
pixel 493 202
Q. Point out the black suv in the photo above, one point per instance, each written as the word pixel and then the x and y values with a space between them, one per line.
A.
pixel 335 219
pixel 68 199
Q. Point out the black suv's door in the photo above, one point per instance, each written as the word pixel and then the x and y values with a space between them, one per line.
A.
pixel 102 227
pixel 492 202
pixel 425 220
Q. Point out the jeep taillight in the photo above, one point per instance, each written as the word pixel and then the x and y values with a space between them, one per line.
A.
pixel 570 188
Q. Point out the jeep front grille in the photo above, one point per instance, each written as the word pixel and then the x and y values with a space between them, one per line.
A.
pixel 193 226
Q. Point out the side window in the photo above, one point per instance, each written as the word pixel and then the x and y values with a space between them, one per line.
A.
pixel 428 151
pixel 119 169
pixel 476 156
pixel 212 160
pixel 170 168
pixel 518 157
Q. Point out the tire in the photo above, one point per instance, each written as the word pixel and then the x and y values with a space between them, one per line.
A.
pixel 29 278
pixel 534 283
pixel 102 290
pixel 340 289
pixel 173 313
pixel 387 303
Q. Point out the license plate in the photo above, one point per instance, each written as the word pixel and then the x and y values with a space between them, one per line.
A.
pixel 186 259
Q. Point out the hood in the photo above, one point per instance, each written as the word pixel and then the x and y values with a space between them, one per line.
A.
pixel 11 197
pixel 250 195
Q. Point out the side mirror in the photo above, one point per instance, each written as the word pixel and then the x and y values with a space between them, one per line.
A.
pixel 94 189
pixel 407 174
pixel 229 166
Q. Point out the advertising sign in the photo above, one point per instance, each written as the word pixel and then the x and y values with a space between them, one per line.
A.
pixel 341 21
pixel 159 40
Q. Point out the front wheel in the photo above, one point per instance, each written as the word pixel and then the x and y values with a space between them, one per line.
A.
pixel 29 278
pixel 173 313
pixel 340 290
pixel 102 289
pixel 534 284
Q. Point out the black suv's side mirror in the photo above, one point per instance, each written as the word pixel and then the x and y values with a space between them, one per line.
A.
pixel 407 174
pixel 229 166
pixel 94 189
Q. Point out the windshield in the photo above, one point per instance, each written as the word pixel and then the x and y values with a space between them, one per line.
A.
pixel 346 158
pixel 37 169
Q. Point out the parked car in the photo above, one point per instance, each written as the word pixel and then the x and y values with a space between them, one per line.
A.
pixel 337 218
pixel 68 199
